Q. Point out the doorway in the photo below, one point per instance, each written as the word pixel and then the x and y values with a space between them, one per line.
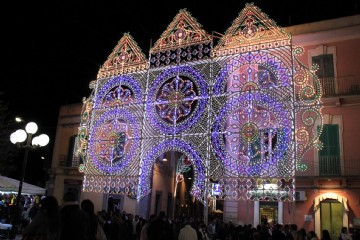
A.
pixel 268 212
pixel 331 213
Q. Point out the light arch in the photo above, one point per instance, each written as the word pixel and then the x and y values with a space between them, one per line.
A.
pixel 179 145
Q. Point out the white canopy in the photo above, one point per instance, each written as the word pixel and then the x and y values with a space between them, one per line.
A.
pixel 12 185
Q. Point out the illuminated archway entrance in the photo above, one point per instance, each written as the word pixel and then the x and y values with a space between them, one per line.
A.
pixel 331 213
pixel 171 184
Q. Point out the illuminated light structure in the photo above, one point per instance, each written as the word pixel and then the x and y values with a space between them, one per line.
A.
pixel 243 112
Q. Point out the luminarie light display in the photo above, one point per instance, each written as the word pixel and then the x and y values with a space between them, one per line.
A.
pixel 243 112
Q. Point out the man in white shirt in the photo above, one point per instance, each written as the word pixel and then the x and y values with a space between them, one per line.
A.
pixel 187 232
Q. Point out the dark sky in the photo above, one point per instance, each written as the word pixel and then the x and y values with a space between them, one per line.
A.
pixel 53 49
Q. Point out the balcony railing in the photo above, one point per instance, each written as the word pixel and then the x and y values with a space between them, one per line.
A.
pixel 331 167
pixel 64 162
pixel 348 85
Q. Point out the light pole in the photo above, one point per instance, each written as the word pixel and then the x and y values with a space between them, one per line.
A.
pixel 24 139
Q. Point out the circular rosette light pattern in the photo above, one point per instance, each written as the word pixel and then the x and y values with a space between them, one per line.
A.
pixel 118 96
pixel 176 100
pixel 119 91
pixel 252 135
pixel 115 141
pixel 252 71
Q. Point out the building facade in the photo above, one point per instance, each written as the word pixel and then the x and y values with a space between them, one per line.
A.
pixel 316 189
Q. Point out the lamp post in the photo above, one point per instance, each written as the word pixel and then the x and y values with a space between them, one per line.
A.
pixel 24 139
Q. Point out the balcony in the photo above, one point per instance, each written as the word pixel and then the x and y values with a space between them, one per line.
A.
pixel 331 167
pixel 348 85
pixel 68 163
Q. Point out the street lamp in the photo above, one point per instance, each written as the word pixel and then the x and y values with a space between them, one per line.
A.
pixel 24 139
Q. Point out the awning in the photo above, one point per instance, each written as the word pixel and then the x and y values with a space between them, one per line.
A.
pixel 12 185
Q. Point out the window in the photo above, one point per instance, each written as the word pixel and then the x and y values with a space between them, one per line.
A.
pixel 329 155
pixel 72 157
pixel 326 65
pixel 326 72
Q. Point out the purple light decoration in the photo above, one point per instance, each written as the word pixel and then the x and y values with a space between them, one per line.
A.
pixel 260 83
pixel 177 97
pixel 227 144
pixel 173 145
pixel 113 117
pixel 266 59
pixel 181 115
pixel 114 86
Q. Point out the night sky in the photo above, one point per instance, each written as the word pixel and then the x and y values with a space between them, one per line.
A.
pixel 53 49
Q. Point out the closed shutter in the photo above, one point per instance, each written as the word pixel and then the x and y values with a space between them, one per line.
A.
pixel 329 155
pixel 330 139
pixel 71 151
pixel 326 65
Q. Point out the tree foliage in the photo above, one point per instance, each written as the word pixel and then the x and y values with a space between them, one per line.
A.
pixel 8 151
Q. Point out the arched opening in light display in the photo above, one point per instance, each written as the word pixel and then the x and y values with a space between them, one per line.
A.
pixel 172 179
pixel 193 157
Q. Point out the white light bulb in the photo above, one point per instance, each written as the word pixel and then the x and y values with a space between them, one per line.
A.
pixel 35 141
pixel 43 140
pixel 31 127
pixel 13 138
pixel 20 135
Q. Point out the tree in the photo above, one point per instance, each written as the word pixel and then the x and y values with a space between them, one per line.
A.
pixel 8 151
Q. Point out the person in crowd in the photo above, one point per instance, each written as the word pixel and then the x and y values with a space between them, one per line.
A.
pixel 211 229
pixel 345 235
pixel 298 235
pixel 325 235
pixel 287 232
pixel 34 210
pixel 132 222
pixel 203 233
pixel 139 226
pixel 293 230
pixel 74 221
pixel 120 228
pixel 312 236
pixel 256 235
pixel 277 232
pixel 88 207
pixel 187 232
pixel 143 234
pixel 157 229
pixel 108 218
pixel 24 218
pixel 47 222
pixel 101 216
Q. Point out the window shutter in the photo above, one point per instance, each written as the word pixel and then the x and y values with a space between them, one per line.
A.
pixel 330 139
pixel 70 150
pixel 326 65
pixel 318 60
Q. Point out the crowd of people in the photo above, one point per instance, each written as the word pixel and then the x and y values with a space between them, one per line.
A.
pixel 74 220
